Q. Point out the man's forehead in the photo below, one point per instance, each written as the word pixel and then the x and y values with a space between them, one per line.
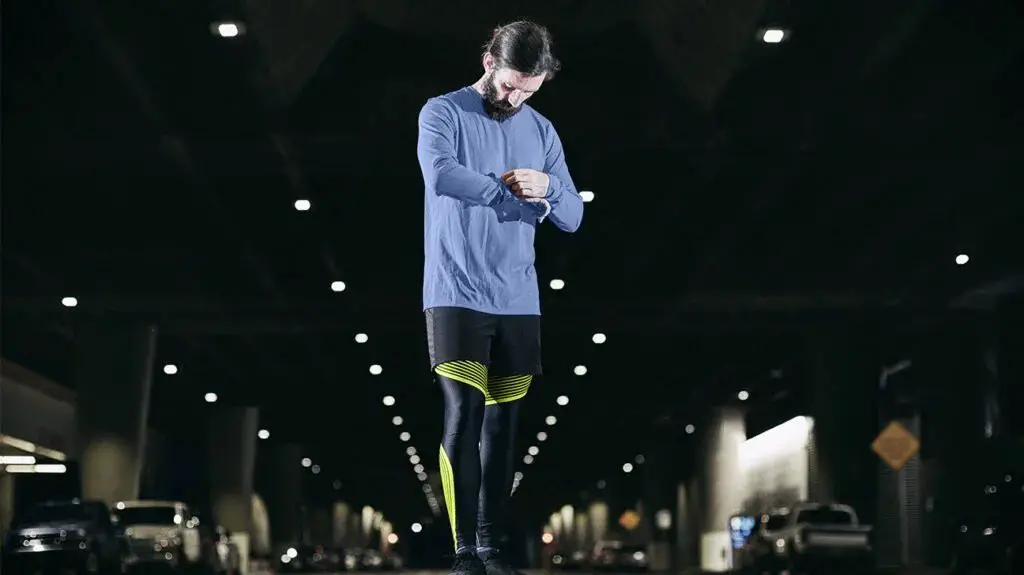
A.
pixel 521 81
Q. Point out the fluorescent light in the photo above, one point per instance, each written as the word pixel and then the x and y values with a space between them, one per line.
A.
pixel 69 302
pixel 306 462
pixel 396 420
pixel 388 400
pixel 263 434
pixel 376 369
pixel 338 286
pixel 580 370
pixel 562 400
pixel 228 29
pixel 773 36
pixel 362 338
pixel 627 467
pixel 962 259
pixel 210 397
pixel 170 369
pixel 303 205
pixel 599 338
pixel 551 420
pixel 557 284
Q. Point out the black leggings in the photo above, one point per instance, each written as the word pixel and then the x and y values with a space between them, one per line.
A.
pixel 480 420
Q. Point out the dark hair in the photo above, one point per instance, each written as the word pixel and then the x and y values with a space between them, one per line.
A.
pixel 525 47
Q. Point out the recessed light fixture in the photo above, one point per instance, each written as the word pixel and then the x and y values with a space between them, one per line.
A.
pixel 376 369
pixel 551 420
pixel 303 205
pixel 557 284
pixel 773 36
pixel 562 400
pixel 397 420
pixel 210 397
pixel 362 338
pixel 263 434
pixel 227 29
pixel 599 338
pixel 388 400
pixel 962 259
pixel 338 286
pixel 743 395
pixel 69 302
pixel 580 370
pixel 170 369
pixel 587 196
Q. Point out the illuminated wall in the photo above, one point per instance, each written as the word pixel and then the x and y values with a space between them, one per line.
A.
pixel 775 465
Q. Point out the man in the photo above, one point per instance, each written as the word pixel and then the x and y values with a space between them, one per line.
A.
pixel 493 169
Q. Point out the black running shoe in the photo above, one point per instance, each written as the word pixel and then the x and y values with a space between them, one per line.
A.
pixel 468 564
pixel 495 565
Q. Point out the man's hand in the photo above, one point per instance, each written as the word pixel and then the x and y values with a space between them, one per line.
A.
pixel 526 183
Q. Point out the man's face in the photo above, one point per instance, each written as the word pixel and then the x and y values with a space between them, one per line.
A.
pixel 505 90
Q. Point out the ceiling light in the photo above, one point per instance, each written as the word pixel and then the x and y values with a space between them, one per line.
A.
pixel 557 284
pixel 587 196
pixel 69 302
pixel 962 259
pixel 302 205
pixel 396 420
pixel 542 436
pixel 421 476
pixel 414 459
pixel 306 462
pixel 170 369
pixel 518 476
pixel 533 450
pixel 404 436
pixel 601 484
pixel 337 287
pixel 410 450
pixel 743 396
pixel 640 459
pixel 210 397
pixel 315 469
pixel 580 370
pixel 418 468
pixel 773 36
pixel 388 400
pixel 551 420
pixel 337 484
pixel 627 467
pixel 416 527
pixel 599 338
pixel 528 459
pixel 263 434
pixel 689 429
pixel 227 29
pixel 562 400
pixel 362 338
pixel 376 369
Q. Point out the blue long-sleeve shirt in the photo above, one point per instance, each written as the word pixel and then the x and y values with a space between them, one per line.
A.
pixel 478 237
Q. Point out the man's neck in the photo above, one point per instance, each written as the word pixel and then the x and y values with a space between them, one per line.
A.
pixel 479 85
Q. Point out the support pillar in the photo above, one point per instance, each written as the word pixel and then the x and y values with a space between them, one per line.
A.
pixel 722 487
pixel 283 494
pixel 231 440
pixel 843 389
pixel 660 472
pixel 341 512
pixel 112 375
pixel 598 514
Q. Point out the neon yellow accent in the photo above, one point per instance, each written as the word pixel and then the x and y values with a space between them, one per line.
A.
pixel 507 389
pixel 472 373
pixel 448 486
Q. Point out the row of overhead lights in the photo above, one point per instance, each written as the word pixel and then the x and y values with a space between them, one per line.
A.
pixel 413 455
pixel 562 400
pixel 555 284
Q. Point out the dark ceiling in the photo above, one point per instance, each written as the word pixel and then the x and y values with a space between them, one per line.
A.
pixel 744 191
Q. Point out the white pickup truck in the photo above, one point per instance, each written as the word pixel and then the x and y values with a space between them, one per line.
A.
pixel 809 538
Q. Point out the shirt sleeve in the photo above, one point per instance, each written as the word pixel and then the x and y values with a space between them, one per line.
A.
pixel 566 203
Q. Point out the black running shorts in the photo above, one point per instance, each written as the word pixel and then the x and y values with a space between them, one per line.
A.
pixel 507 344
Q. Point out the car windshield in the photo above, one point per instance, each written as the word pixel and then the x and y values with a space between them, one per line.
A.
pixel 148 516
pixel 775 522
pixel 824 516
pixel 63 512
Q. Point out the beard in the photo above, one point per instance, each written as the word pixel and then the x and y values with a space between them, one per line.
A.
pixel 495 107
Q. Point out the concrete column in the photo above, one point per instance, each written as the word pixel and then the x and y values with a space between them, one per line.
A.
pixel 231 444
pixel 340 512
pixel 283 493
pixel 598 514
pixel 582 531
pixel 112 374
pixel 843 384
pixel 723 487
pixel 355 536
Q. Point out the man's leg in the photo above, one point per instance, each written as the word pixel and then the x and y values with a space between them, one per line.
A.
pixel 497 455
pixel 463 384
pixel 516 358
pixel 459 344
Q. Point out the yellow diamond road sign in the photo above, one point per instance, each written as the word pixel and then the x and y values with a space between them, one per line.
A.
pixel 895 445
